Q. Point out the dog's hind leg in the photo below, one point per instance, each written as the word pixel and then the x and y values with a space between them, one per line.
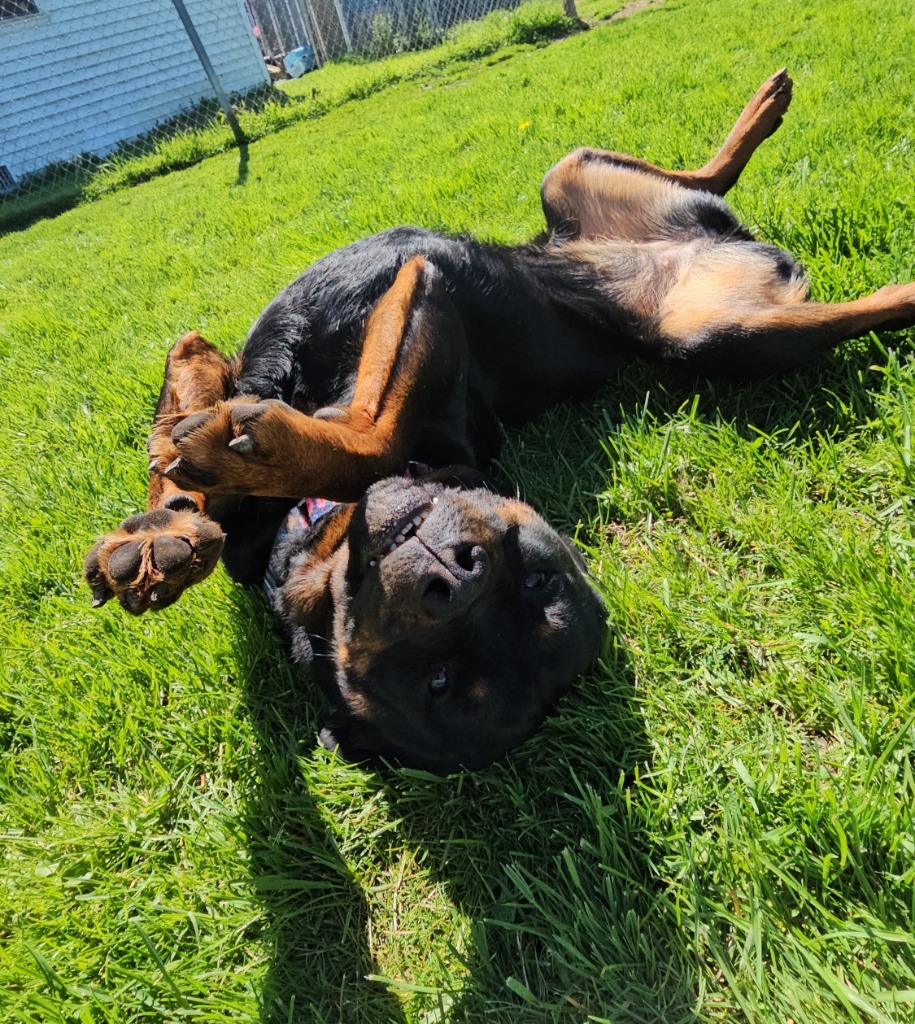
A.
pixel 597 193
pixel 740 332
pixel 411 368
pixel 760 118
pixel 151 558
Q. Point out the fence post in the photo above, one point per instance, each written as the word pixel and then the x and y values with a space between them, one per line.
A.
pixel 317 39
pixel 210 71
pixel 344 28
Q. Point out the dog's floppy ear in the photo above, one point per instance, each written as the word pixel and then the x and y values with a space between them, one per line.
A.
pixel 352 738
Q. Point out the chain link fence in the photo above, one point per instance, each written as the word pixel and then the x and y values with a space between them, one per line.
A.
pixel 89 87
pixel 328 29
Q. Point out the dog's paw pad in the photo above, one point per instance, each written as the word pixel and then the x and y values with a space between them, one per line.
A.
pixel 188 425
pixel 170 554
pixel 158 519
pixel 152 558
pixel 331 412
pixel 124 562
pixel 179 501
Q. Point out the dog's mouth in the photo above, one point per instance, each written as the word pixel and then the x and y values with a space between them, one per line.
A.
pixel 422 540
pixel 405 528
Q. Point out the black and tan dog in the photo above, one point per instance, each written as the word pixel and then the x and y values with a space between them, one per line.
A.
pixel 451 618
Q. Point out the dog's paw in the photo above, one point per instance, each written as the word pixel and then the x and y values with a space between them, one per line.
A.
pixel 771 101
pixel 152 558
pixel 217 450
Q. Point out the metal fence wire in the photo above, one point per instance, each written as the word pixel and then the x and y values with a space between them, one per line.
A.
pixel 88 83
pixel 374 28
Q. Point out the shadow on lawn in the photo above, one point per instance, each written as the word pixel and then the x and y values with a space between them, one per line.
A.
pixel 826 397
pixel 243 161
pixel 318 961
pixel 569 919
pixel 555 869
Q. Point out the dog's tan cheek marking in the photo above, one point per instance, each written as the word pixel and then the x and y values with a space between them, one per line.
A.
pixel 516 513
pixel 479 691
pixel 305 591
pixel 362 653
pixel 360 705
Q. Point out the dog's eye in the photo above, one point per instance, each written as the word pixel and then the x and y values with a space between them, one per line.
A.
pixel 439 682
pixel 534 580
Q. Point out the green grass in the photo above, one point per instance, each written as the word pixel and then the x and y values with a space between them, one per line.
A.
pixel 717 825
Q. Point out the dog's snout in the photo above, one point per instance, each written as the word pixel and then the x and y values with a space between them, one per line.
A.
pixel 451 587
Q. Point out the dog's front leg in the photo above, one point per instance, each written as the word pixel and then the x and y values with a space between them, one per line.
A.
pixel 413 354
pixel 153 557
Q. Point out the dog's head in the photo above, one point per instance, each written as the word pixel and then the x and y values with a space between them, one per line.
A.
pixel 442 622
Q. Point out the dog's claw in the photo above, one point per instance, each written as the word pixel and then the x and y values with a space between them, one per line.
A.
pixel 172 467
pixel 243 443
pixel 100 595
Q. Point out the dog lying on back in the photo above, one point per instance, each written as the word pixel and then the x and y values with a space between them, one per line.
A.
pixel 448 619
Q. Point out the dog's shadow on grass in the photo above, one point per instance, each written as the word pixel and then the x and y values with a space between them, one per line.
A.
pixel 319 960
pixel 542 854
pixel 566 464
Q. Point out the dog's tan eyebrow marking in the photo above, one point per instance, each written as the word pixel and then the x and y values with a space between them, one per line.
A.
pixel 363 653
pixel 516 513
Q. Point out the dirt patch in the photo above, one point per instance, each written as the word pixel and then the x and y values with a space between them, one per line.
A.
pixel 633 7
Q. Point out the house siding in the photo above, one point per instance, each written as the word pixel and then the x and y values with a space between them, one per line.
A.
pixel 83 75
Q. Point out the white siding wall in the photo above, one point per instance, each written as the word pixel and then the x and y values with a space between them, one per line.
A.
pixel 83 75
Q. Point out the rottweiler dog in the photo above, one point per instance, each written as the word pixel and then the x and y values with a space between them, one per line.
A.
pixel 443 618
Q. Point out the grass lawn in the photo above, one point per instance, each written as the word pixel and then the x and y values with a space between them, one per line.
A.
pixel 718 824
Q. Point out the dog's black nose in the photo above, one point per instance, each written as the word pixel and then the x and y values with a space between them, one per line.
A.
pixel 451 586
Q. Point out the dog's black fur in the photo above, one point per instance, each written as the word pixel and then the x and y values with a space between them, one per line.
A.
pixel 448 638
